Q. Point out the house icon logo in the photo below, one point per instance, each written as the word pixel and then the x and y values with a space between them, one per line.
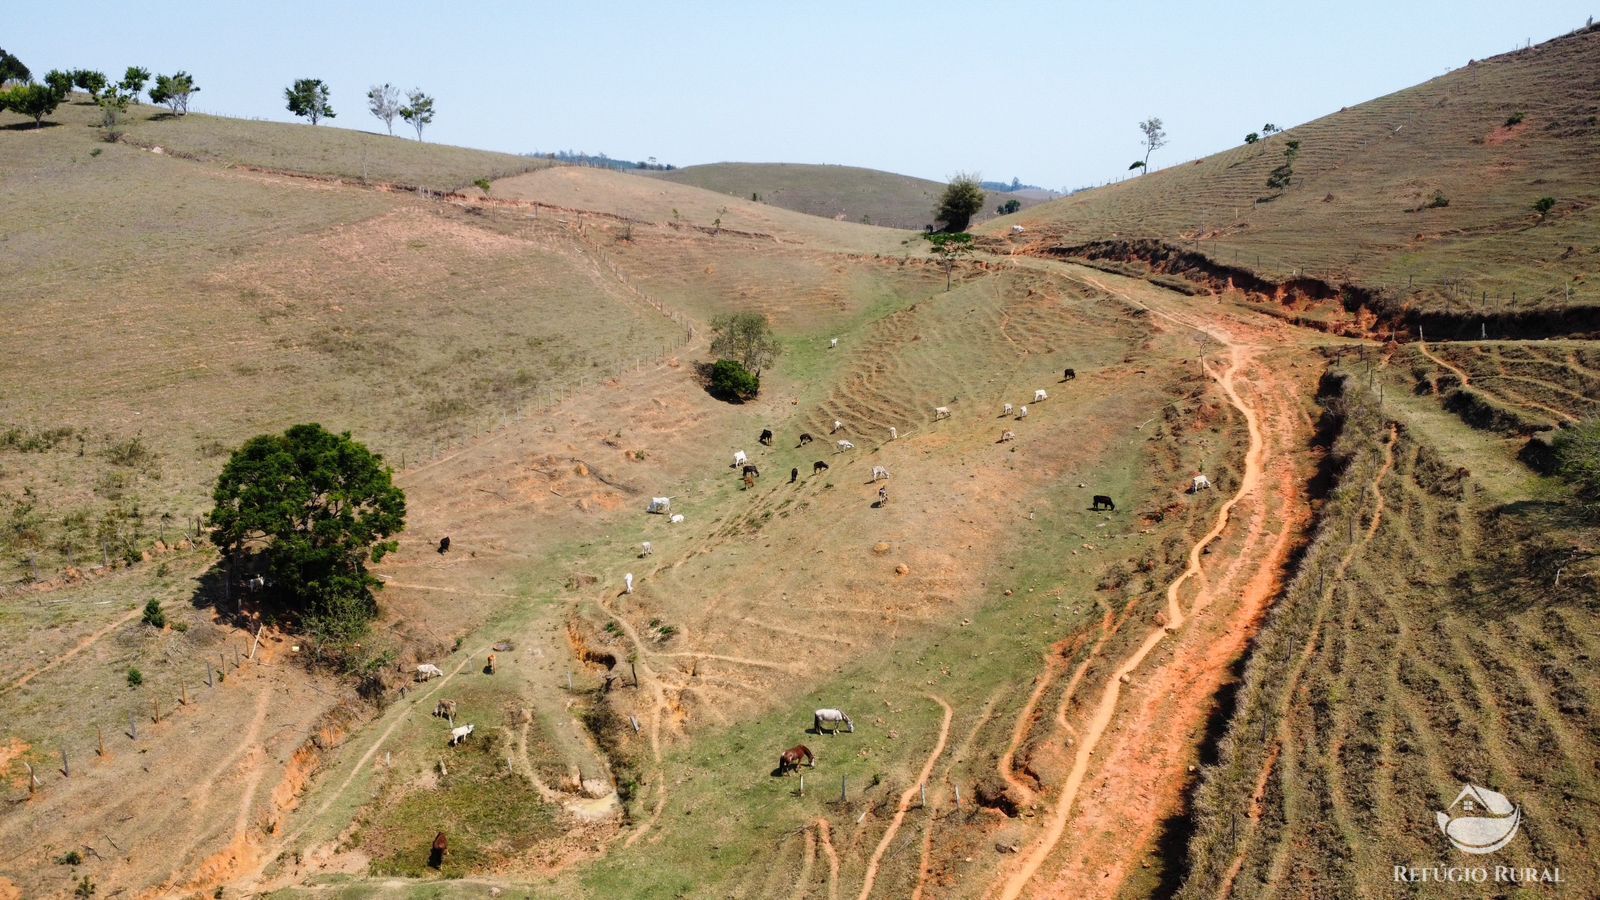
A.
pixel 1480 820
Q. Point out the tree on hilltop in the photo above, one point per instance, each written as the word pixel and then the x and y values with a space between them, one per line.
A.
pixel 1155 137
pixel 12 69
pixel 60 82
pixel 173 91
pixel 319 506
pixel 94 83
pixel 133 82
pixel 383 100
pixel 308 99
pixel 960 201
pixel 418 110
pixel 32 100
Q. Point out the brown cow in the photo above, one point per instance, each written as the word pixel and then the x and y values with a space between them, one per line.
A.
pixel 436 856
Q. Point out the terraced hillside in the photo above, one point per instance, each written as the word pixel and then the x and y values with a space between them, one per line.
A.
pixel 846 193
pixel 1428 639
pixel 1426 195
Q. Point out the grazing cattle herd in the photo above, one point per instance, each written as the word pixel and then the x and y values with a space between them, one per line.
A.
pixel 824 720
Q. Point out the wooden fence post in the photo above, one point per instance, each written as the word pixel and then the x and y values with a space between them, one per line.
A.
pixel 100 740
pixel 842 781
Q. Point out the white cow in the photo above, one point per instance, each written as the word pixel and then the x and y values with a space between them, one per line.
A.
pixel 739 458
pixel 838 426
pixel 1007 435
pixel 894 433
pixel 429 670
pixel 831 717
pixel 1017 229
pixel 1022 413
pixel 627 581
pixel 879 473
pixel 1040 395
pixel 677 519
pixel 1199 484
pixel 845 445
pixel 458 735
pixel 941 412
pixel 646 549
pixel 833 344
pixel 660 505
pixel 1006 410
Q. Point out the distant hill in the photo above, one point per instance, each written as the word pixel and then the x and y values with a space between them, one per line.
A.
pixel 1427 194
pixel 834 192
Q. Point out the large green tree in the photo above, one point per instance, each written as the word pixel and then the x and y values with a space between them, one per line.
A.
pixel 134 80
pixel 91 81
pixel 173 91
pixel 33 100
pixel 308 99
pixel 960 201
pixel 12 69
pixel 747 338
pixel 60 82
pixel 319 505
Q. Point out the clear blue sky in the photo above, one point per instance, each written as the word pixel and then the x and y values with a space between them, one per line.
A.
pixel 1049 92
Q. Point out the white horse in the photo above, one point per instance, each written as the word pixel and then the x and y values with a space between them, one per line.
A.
pixel 1199 484
pixel 832 717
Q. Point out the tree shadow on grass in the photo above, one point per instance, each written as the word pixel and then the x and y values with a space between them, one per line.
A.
pixel 29 126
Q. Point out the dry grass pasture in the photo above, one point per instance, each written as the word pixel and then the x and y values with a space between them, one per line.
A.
pixel 1262 688
pixel 1362 206
pixel 846 193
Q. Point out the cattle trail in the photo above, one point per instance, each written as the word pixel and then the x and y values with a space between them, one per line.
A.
pixel 77 648
pixel 1210 651
pixel 905 799
pixel 826 838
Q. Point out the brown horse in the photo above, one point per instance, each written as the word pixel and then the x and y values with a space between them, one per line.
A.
pixel 791 758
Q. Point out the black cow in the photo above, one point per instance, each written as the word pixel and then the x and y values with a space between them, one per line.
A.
pixel 1069 374
pixel 804 440
pixel 1102 501
pixel 751 470
pixel 794 475
pixel 818 467
pixel 766 437
pixel 444 545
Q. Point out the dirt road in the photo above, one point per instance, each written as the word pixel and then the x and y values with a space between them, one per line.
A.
pixel 1133 745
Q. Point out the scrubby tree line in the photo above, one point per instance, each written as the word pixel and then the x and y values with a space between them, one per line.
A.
pixel 39 99
pixel 311 99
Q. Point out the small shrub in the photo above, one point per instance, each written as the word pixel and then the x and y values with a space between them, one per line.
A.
pixel 1543 205
pixel 1439 201
pixel 135 677
pixel 131 452
pixel 85 888
pixel 729 380
pixel 97 151
pixel 482 184
pixel 180 627
pixel 153 616
pixel 70 858
pixel 1514 119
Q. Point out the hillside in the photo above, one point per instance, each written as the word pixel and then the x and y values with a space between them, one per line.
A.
pixel 834 192
pixel 964 508
pixel 1425 196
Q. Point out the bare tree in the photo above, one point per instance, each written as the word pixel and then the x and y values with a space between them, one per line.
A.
pixel 384 102
pixel 1154 138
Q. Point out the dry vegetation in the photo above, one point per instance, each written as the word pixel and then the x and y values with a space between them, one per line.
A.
pixel 1373 551
pixel 846 193
pixel 1360 206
